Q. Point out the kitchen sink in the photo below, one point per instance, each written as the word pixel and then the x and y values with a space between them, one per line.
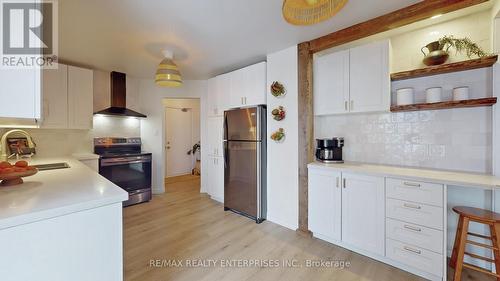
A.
pixel 52 166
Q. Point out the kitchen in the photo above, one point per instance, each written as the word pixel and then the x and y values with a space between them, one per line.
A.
pixel 413 146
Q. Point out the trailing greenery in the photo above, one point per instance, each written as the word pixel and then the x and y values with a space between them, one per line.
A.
pixel 462 45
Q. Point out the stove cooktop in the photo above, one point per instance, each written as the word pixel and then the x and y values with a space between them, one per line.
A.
pixel 122 154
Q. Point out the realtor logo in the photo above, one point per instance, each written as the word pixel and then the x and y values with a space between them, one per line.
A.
pixel 29 33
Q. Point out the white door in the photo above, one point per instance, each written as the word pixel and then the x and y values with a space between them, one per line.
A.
pixel 369 77
pixel 331 83
pixel 255 84
pixel 363 212
pixel 55 97
pixel 80 98
pixel 179 140
pixel 325 204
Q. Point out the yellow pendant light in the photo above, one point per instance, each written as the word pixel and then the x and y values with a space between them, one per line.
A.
pixel 168 74
pixel 307 12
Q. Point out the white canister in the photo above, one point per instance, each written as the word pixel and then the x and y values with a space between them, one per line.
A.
pixel 405 96
pixel 433 95
pixel 461 93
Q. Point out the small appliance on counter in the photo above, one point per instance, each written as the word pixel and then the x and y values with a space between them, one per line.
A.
pixel 329 150
pixel 123 163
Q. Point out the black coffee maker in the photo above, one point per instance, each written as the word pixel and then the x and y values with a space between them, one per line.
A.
pixel 329 150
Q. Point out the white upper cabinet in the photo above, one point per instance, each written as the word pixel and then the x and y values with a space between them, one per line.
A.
pixel 218 90
pixel 255 84
pixel 20 97
pixel 55 98
pixel 325 204
pixel 212 100
pixel 363 212
pixel 370 82
pixel 331 83
pixel 354 80
pixel 80 98
pixel 247 86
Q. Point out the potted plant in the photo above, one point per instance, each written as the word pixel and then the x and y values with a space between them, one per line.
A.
pixel 438 50
pixel 196 148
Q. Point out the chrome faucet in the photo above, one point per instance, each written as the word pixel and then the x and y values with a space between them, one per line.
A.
pixel 3 142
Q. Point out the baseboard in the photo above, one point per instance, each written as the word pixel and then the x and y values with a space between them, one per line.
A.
pixel 284 224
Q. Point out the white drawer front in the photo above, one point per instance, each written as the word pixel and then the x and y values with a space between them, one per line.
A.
pixel 415 257
pixel 421 192
pixel 420 214
pixel 423 237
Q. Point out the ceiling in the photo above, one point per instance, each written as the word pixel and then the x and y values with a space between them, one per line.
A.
pixel 209 37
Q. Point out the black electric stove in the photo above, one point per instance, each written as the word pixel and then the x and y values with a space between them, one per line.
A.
pixel 124 163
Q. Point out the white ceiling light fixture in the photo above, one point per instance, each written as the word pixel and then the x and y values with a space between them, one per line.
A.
pixel 168 74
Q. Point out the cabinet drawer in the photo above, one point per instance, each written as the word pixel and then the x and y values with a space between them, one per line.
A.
pixel 415 257
pixel 423 237
pixel 420 214
pixel 421 192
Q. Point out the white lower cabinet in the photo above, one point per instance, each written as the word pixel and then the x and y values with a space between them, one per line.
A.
pixel 325 209
pixel 390 220
pixel 343 207
pixel 363 212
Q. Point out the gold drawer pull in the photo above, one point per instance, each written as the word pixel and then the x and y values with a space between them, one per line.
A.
pixel 411 184
pixel 413 228
pixel 406 205
pixel 412 250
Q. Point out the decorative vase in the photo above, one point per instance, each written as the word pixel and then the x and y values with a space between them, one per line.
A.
pixel 436 54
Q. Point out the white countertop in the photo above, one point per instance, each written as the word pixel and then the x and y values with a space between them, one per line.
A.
pixel 430 175
pixel 56 193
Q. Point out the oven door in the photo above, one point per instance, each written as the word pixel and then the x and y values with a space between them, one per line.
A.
pixel 130 173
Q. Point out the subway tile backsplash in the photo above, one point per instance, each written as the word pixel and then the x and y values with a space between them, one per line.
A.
pixel 455 139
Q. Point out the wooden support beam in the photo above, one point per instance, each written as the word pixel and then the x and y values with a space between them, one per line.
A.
pixel 402 17
pixel 306 137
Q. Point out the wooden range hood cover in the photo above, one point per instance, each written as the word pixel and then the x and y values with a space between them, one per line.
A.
pixel 119 98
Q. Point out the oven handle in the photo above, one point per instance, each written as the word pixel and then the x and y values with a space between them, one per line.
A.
pixel 116 163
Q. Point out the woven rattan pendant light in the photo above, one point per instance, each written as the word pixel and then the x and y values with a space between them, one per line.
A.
pixel 168 74
pixel 307 12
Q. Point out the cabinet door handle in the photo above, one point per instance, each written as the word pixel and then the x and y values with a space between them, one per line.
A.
pixel 411 184
pixel 344 182
pixel 413 228
pixel 345 106
pixel 338 180
pixel 352 104
pixel 412 250
pixel 411 206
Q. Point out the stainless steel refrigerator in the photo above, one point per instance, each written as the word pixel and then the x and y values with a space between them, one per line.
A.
pixel 245 159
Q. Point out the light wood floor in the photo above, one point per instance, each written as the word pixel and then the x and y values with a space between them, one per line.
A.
pixel 183 224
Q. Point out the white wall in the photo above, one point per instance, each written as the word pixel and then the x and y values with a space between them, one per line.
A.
pixel 282 158
pixel 153 128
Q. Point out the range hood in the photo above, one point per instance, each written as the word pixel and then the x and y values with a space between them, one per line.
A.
pixel 118 98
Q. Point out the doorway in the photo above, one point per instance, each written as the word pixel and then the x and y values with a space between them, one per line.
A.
pixel 182 133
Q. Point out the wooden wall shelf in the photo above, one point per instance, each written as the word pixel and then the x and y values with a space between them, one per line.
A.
pixel 445 105
pixel 445 68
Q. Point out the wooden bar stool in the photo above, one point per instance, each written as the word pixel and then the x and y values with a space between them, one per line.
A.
pixel 468 214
